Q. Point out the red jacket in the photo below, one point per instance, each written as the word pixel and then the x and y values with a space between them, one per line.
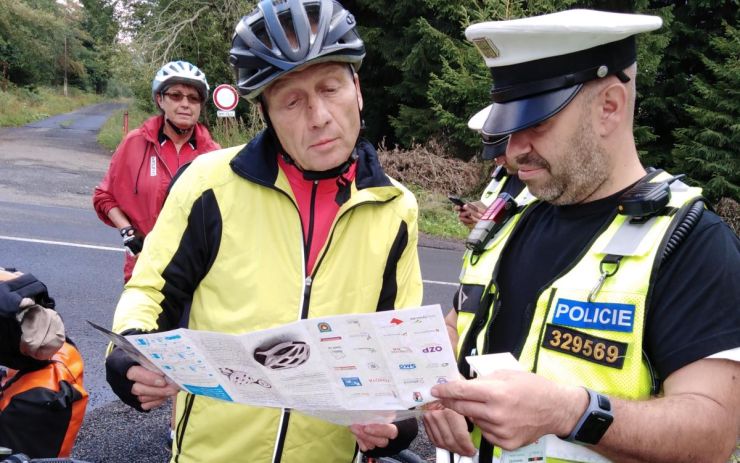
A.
pixel 138 178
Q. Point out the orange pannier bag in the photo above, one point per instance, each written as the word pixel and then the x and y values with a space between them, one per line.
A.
pixel 41 411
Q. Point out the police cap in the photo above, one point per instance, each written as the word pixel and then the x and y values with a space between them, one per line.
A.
pixel 539 64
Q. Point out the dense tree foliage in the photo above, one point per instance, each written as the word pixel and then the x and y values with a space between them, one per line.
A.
pixel 197 31
pixel 708 148
pixel 41 40
pixel 421 79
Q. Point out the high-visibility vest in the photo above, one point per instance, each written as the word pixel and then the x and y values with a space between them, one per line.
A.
pixel 588 324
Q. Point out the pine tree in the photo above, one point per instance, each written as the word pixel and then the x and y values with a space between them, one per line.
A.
pixel 708 149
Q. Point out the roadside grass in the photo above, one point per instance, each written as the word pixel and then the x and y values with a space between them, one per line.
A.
pixel 111 133
pixel 437 217
pixel 22 105
pixel 236 131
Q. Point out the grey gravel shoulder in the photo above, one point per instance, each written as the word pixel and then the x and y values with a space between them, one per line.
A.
pixel 452 244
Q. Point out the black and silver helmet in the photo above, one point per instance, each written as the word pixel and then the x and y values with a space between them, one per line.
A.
pixel 280 36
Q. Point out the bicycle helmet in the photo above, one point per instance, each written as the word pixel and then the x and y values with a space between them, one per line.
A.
pixel 179 72
pixel 288 354
pixel 280 36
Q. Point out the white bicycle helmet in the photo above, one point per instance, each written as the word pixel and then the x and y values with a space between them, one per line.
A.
pixel 288 354
pixel 179 72
pixel 280 36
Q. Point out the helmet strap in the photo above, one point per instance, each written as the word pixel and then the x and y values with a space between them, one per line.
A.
pixel 177 129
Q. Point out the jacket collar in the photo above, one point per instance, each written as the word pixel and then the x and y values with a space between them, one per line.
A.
pixel 257 162
pixel 151 129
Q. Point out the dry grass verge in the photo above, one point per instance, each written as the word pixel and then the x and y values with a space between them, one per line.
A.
pixel 729 210
pixel 431 168
pixel 432 174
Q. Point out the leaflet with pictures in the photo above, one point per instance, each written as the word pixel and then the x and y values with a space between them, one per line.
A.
pixel 355 368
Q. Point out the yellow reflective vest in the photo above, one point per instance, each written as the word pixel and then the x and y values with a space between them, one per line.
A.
pixel 230 235
pixel 587 327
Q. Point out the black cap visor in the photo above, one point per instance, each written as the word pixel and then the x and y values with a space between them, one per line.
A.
pixel 513 116
pixel 493 147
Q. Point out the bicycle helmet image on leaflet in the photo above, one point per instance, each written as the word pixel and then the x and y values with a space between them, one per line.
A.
pixel 283 355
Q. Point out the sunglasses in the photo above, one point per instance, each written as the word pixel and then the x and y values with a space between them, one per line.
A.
pixel 177 97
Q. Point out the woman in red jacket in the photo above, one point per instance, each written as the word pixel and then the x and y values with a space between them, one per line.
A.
pixel 134 188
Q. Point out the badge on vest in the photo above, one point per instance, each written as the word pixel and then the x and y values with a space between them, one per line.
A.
pixel 584 346
pixel 608 316
pixel 153 166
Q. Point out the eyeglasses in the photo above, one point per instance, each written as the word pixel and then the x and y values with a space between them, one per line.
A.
pixel 177 97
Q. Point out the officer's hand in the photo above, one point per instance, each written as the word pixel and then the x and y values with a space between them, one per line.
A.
pixel 370 436
pixel 42 330
pixel 152 389
pixel 515 408
pixel 448 429
pixel 468 214
pixel 132 241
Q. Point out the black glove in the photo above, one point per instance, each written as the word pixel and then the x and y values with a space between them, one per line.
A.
pixel 117 365
pixel 131 241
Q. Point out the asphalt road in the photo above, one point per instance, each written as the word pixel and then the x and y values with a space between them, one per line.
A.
pixel 48 171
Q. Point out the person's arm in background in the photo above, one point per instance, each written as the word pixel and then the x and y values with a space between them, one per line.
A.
pixel 118 218
pixel 107 206
pixel 104 199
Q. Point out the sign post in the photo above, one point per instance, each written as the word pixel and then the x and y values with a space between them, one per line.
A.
pixel 225 98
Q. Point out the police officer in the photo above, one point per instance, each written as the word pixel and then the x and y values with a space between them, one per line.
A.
pixel 613 286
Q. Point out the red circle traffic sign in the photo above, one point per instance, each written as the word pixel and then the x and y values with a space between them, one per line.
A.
pixel 225 97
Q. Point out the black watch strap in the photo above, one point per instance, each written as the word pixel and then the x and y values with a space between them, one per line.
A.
pixel 595 420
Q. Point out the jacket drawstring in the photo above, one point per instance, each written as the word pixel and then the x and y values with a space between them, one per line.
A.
pixel 138 174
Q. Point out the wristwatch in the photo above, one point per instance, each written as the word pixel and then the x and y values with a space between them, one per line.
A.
pixel 595 420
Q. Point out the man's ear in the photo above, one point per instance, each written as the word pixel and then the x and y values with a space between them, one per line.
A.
pixel 613 101
pixel 158 99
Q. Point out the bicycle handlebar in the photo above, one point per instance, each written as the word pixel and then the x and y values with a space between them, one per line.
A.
pixel 23 458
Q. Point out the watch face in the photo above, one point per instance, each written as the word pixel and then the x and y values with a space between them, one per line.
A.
pixel 594 427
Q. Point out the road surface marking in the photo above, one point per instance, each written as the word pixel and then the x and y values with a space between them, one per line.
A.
pixel 108 248
pixel 61 243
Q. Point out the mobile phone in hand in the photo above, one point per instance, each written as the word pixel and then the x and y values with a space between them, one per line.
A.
pixel 456 200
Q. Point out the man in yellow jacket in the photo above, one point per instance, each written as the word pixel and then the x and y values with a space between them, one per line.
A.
pixel 299 223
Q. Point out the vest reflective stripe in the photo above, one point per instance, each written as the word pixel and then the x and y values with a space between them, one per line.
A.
pixel 629 375
pixel 478 270
pixel 492 190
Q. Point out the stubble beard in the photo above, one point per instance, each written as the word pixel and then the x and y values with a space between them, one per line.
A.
pixel 578 173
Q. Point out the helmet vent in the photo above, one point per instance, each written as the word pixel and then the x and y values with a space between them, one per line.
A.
pixel 261 33
pixel 286 22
